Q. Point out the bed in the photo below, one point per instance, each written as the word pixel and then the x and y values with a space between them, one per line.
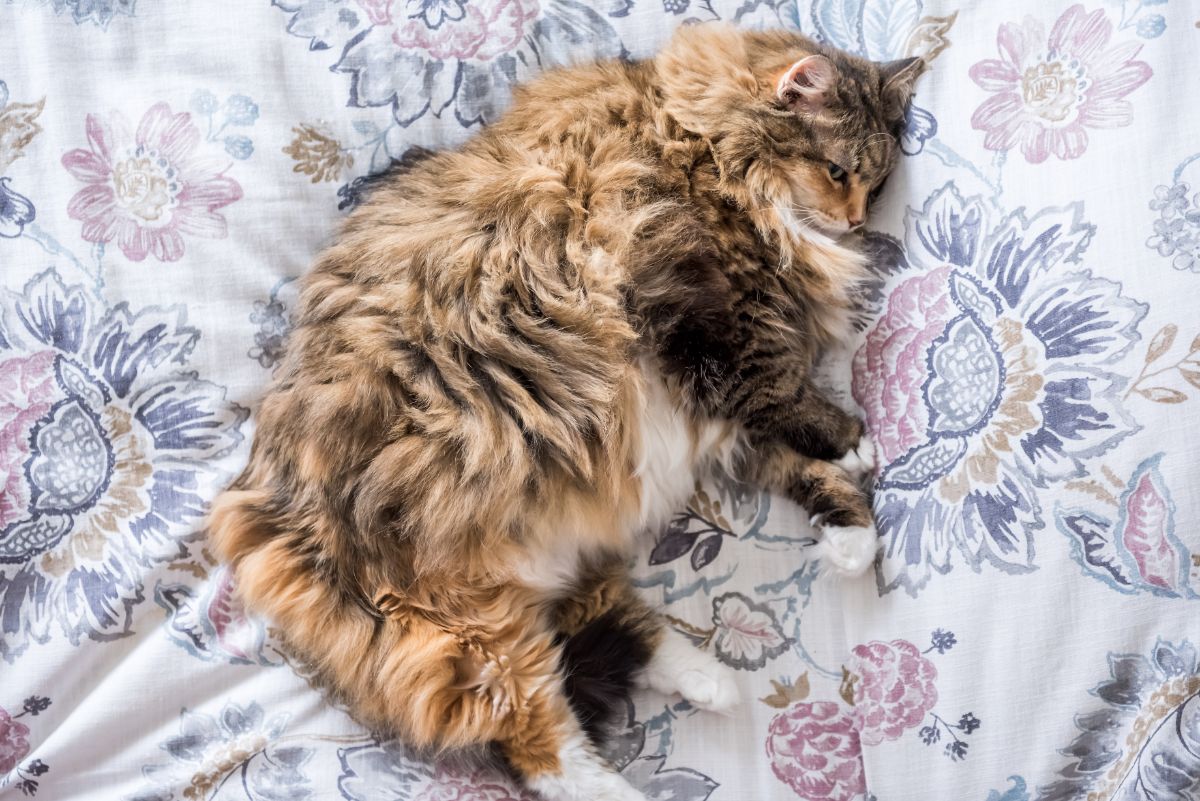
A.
pixel 1028 361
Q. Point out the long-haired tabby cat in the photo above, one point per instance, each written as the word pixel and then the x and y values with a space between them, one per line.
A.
pixel 516 358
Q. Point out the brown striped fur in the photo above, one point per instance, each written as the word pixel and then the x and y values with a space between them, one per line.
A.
pixel 456 451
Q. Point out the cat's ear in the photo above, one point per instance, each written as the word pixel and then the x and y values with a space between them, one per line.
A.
pixel 897 80
pixel 807 84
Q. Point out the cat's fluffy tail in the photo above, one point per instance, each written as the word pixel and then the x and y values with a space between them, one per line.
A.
pixel 598 665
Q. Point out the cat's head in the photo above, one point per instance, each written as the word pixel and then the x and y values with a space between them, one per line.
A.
pixel 808 129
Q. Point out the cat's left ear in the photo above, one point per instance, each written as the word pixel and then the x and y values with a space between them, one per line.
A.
pixel 898 79
pixel 807 84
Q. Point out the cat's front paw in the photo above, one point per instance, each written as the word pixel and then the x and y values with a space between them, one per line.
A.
pixel 677 666
pixel 860 460
pixel 847 550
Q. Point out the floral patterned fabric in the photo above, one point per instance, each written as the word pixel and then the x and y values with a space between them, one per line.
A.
pixel 1028 360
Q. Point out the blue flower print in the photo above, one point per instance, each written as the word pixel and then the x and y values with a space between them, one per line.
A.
pixel 109 450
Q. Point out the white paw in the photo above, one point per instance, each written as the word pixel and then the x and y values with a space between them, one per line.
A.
pixel 680 667
pixel 848 550
pixel 859 460
pixel 712 688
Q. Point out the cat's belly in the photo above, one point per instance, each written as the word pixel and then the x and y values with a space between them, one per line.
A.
pixel 674 449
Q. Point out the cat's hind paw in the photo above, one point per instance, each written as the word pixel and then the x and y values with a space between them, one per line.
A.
pixel 847 550
pixel 680 667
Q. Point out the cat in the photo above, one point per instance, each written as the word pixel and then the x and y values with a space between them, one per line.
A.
pixel 518 356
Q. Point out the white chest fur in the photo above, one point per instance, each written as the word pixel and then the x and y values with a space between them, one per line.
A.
pixel 672 451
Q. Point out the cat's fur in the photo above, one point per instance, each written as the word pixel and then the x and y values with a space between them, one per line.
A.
pixel 516 358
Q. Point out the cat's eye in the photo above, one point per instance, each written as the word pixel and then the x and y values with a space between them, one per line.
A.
pixel 837 173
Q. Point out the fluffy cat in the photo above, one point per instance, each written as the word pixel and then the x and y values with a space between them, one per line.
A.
pixel 516 359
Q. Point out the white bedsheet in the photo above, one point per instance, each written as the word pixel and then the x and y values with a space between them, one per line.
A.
pixel 1030 367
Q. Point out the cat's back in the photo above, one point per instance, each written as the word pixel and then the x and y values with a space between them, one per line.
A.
pixel 466 343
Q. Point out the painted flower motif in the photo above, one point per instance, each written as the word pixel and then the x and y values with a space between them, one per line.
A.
pixel 894 691
pixel 391 770
pixel 14 742
pixel 421 57
pixel 747 634
pixel 211 623
pixel 453 29
pixel 209 748
pixel 814 749
pixel 1140 550
pixel 1142 739
pixel 108 450
pixel 1177 229
pixel 150 187
pixel 14 747
pixel 478 786
pixel 985 377
pixel 99 12
pixel 1047 91
pixel 26 392
pixel 317 153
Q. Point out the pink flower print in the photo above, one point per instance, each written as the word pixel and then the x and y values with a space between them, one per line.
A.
pixel 894 691
pixel 479 31
pixel 814 748
pixel 149 188
pixel 890 368
pixel 1049 90
pixel 14 743
pixel 379 12
pixel 27 391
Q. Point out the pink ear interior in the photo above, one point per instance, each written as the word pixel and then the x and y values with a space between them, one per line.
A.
pixel 806 83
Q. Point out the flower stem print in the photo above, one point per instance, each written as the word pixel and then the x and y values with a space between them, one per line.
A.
pixel 699 530
pixel 957 747
pixel 237 110
pixel 941 641
pixel 1186 367
pixel 992 178
pixel 1148 25
pixel 1092 487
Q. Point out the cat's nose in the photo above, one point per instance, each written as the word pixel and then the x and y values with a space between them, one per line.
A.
pixel 855 221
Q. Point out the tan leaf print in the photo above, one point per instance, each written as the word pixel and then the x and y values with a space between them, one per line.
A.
pixel 18 126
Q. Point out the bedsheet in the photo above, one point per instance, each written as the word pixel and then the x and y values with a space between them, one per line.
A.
pixel 1029 363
